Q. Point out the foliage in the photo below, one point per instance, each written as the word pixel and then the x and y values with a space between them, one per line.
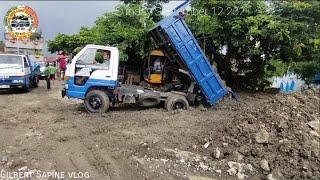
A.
pixel 61 42
pixel 258 36
pixel 249 41
pixel 36 36
pixel 302 19
pixel 126 28
pixel 276 67
pixel 307 70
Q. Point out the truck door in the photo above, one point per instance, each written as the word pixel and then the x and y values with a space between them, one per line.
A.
pixel 94 64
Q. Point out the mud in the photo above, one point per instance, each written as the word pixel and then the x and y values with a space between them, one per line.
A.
pixel 41 131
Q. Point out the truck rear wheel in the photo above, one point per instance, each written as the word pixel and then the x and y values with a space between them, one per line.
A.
pixel 175 102
pixel 97 101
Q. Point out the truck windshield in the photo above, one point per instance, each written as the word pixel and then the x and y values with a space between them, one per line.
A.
pixel 10 61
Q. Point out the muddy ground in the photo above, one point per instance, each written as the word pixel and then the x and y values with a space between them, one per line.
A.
pixel 265 136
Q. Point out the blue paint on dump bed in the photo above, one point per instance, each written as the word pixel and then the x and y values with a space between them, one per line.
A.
pixel 176 40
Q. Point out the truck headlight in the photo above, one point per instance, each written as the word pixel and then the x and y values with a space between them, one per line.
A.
pixel 17 81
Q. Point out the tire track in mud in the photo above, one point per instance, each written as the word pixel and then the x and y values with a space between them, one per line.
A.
pixel 99 159
pixel 102 160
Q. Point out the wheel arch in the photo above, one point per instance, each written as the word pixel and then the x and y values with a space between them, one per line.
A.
pixel 108 90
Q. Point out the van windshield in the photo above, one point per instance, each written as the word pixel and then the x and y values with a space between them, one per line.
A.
pixel 9 61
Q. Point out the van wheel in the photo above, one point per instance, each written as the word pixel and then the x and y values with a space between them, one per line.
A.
pixel 36 81
pixel 97 101
pixel 175 102
pixel 27 87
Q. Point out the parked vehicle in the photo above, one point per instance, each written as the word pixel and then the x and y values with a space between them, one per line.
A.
pixel 18 71
pixel 42 68
pixel 98 86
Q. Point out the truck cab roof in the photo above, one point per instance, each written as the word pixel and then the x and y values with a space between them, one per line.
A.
pixel 13 55
pixel 101 47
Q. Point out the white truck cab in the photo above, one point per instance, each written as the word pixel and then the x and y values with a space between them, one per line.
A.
pixel 91 68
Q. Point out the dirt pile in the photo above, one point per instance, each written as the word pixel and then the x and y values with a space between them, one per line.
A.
pixel 279 136
pixel 265 136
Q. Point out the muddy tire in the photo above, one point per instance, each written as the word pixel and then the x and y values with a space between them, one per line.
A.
pixel 36 81
pixel 27 88
pixel 97 101
pixel 176 102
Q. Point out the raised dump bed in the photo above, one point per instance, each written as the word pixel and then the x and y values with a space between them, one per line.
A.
pixel 175 38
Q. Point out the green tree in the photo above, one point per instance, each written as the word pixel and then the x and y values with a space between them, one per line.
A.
pixel 36 36
pixel 249 41
pixel 126 28
pixel 63 42
pixel 255 34
pixel 303 48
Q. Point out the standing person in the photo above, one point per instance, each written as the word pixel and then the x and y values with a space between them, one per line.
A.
pixel 52 71
pixel 47 75
pixel 62 64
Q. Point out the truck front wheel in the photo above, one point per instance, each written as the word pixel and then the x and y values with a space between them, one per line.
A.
pixel 97 101
pixel 36 81
pixel 175 102
pixel 27 87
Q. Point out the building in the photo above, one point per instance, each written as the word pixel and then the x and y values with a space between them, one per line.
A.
pixel 52 58
pixel 33 48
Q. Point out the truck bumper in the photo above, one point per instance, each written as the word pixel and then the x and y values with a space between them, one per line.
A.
pixel 12 82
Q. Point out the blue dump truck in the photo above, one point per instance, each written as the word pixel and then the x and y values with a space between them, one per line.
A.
pixel 177 41
pixel 188 75
pixel 18 71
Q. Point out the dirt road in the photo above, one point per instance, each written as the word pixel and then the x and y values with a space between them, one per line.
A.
pixel 263 136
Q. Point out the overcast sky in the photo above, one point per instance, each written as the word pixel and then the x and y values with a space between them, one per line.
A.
pixel 67 16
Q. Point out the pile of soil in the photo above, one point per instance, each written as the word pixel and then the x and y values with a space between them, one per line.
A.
pixel 272 134
pixel 262 136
